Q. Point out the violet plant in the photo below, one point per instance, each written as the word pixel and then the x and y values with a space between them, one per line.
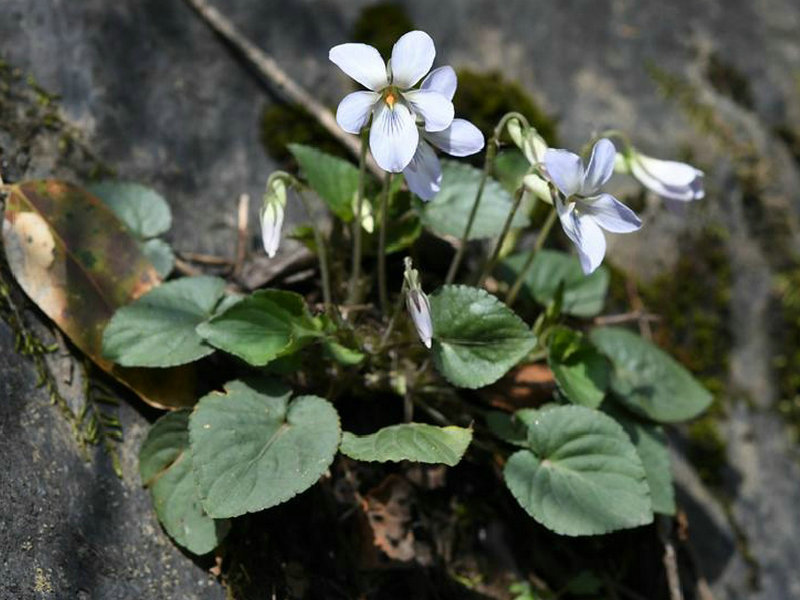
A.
pixel 590 460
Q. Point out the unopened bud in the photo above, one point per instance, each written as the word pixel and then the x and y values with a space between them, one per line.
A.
pixel 418 305
pixel 272 213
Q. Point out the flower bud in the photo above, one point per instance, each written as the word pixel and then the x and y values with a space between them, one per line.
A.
pixel 272 213
pixel 669 179
pixel 418 305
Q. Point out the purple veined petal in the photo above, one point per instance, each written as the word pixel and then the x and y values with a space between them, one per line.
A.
pixel 393 137
pixel 419 307
pixel 585 234
pixel 565 169
pixel 354 110
pixel 667 178
pixel 424 173
pixel 462 138
pixel 601 167
pixel 436 110
pixel 361 62
pixel 412 57
pixel 442 80
pixel 610 214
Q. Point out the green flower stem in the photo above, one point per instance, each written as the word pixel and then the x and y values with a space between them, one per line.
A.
pixel 488 163
pixel 540 240
pixel 383 296
pixel 487 268
pixel 355 271
pixel 322 254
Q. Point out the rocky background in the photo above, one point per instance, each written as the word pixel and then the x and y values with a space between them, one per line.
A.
pixel 146 91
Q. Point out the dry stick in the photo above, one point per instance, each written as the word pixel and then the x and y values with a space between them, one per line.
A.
pixel 241 238
pixel 355 272
pixel 383 295
pixel 284 85
pixel 205 259
pixel 543 233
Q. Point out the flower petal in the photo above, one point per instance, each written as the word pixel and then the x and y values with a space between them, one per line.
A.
pixel 424 173
pixel 354 110
pixel 393 137
pixel 271 225
pixel 436 110
pixel 667 178
pixel 412 57
pixel 361 62
pixel 585 234
pixel 442 80
pixel 601 167
pixel 462 138
pixel 610 214
pixel 565 169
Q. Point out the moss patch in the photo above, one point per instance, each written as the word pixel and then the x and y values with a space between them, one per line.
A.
pixel 380 25
pixel 283 124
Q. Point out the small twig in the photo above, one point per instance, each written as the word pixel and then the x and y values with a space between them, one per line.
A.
pixel 638 306
pixel 205 259
pixel 185 268
pixel 242 227
pixel 664 529
pixel 284 85
pixel 634 315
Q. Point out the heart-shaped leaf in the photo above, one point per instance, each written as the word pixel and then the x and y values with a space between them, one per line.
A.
pixel 252 448
pixel 448 212
pixel 584 295
pixel 79 263
pixel 165 465
pixel 143 210
pixel 580 474
pixel 651 445
pixel 418 442
pixel 581 372
pixel 648 381
pixel 160 254
pixel 333 178
pixel 262 327
pixel 476 338
pixel 158 329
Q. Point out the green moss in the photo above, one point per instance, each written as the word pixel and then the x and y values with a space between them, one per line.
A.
pixel 729 81
pixel 707 450
pixel 283 124
pixel 484 98
pixel 786 361
pixel 380 25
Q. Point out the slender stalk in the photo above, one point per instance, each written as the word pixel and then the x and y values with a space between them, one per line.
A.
pixel 540 240
pixel 487 268
pixel 488 163
pixel 322 254
pixel 383 295
pixel 355 272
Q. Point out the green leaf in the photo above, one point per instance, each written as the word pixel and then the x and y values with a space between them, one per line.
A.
pixel 580 474
pixel 143 210
pixel 160 254
pixel 476 338
pixel 449 210
pixel 165 465
pixel 261 327
pixel 651 445
pixel 334 179
pixel 648 381
pixel 410 441
pixel 580 371
pixel 510 167
pixel 511 428
pixel 158 329
pixel 253 449
pixel 342 354
pixel 584 295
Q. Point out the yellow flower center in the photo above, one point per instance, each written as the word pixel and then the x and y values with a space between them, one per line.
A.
pixel 390 99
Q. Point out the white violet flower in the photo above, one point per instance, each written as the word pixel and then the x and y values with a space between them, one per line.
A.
pixel 585 211
pixel 272 214
pixel 424 173
pixel 418 305
pixel 393 137
pixel 669 179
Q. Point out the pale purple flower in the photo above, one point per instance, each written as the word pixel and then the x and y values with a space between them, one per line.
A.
pixel 424 173
pixel 391 102
pixel 585 211
pixel 669 179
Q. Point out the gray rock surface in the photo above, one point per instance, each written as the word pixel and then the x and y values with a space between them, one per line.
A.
pixel 158 97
